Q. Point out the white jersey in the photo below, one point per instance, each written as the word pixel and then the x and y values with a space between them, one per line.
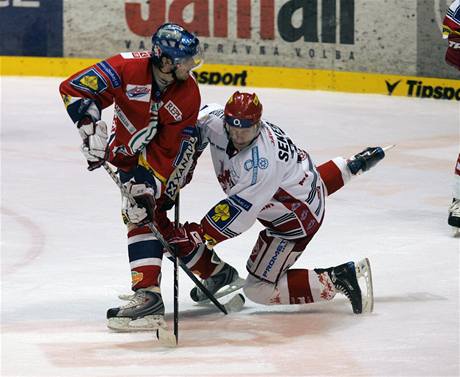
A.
pixel 271 180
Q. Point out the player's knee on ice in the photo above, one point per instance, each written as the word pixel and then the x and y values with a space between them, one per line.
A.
pixel 259 291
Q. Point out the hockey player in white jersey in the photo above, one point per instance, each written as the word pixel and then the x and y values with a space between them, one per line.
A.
pixel 268 178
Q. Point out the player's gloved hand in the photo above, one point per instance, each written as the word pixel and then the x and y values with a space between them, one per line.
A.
pixel 365 160
pixel 165 203
pixel 94 136
pixel 453 51
pixel 140 212
pixel 186 238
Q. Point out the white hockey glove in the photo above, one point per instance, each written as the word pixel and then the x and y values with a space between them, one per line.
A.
pixel 94 136
pixel 142 211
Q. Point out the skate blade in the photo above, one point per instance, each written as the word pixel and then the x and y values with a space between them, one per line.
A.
pixel 126 324
pixel 363 269
pixel 235 304
pixel 237 284
pixel 166 337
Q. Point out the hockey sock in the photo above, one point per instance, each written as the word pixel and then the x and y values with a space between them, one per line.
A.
pixel 145 257
pixel 203 261
pixel 307 286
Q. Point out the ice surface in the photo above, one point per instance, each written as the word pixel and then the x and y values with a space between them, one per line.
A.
pixel 64 258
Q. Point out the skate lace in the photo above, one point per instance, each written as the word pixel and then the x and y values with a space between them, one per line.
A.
pixel 454 209
pixel 339 286
pixel 136 299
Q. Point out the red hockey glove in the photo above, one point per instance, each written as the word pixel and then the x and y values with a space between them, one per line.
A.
pixel 453 51
pixel 186 238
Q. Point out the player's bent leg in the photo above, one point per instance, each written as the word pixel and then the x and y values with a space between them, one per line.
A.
pixel 296 286
pixel 302 286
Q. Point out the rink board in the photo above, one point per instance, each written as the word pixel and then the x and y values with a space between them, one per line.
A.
pixel 268 77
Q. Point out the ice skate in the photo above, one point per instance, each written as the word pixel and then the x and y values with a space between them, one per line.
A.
pixel 221 284
pixel 144 312
pixel 454 216
pixel 345 279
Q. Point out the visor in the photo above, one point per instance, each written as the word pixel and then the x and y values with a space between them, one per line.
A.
pixel 195 61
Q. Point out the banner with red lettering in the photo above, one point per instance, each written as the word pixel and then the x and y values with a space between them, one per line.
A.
pixel 392 36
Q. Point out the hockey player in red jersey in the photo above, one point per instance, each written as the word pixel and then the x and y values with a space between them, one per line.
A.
pixel 266 177
pixel 451 31
pixel 156 103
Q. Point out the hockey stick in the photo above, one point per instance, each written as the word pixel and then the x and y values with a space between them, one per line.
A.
pixel 167 247
pixel 176 275
pixel 388 147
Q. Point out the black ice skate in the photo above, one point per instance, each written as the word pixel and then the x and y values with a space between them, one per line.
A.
pixel 454 215
pixel 345 279
pixel 144 311
pixel 221 284
pixel 365 160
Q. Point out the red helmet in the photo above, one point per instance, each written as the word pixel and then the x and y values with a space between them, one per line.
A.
pixel 243 110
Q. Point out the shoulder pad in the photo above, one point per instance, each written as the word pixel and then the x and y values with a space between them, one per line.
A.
pixel 211 108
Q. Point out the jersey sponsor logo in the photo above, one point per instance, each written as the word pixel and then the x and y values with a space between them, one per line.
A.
pixel 124 120
pixel 223 214
pixel 173 110
pixel 111 73
pixel 90 81
pixel 281 247
pixel 262 163
pixel 139 92
pixel 241 202
pixel 136 55
pixel 255 163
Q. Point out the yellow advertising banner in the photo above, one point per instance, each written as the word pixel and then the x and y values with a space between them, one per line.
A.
pixel 268 77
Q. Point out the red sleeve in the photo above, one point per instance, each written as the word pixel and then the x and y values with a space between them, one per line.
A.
pixel 331 176
pixel 97 83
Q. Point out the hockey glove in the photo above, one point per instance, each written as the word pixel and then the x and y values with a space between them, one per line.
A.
pixel 365 160
pixel 186 238
pixel 94 136
pixel 142 211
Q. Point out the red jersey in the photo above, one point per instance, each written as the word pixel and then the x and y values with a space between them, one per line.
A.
pixel 451 30
pixel 126 80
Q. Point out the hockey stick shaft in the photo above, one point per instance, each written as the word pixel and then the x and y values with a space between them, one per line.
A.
pixel 176 275
pixel 388 147
pixel 160 238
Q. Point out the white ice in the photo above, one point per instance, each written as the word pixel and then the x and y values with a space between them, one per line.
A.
pixel 64 256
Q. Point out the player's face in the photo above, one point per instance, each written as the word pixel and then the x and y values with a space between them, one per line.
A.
pixel 242 137
pixel 186 65
pixel 182 71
